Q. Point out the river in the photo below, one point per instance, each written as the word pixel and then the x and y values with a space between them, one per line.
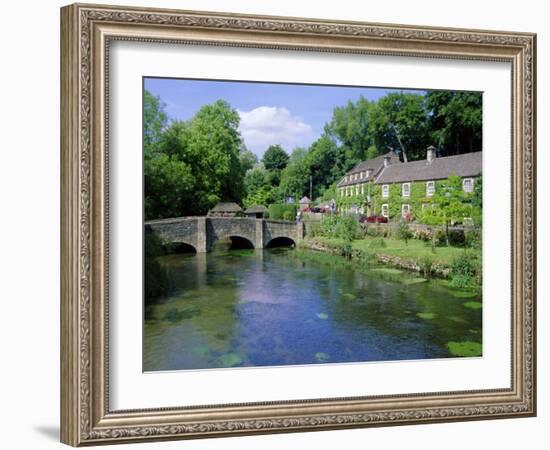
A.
pixel 238 308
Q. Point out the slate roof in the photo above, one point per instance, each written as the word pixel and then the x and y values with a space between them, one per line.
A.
pixel 222 207
pixel 465 165
pixel 376 164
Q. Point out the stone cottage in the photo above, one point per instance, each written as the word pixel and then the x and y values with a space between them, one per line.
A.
pixel 385 184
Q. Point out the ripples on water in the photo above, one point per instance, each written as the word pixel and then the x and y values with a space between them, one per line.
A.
pixel 235 308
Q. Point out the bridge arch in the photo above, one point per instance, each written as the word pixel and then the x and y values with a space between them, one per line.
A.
pixel 182 247
pixel 240 242
pixel 281 241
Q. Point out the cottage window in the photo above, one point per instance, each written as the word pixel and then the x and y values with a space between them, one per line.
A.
pixel 356 176
pixel 357 189
pixel 341 192
pixel 468 184
pixel 385 190
pixel 406 189
pixel 430 188
pixel 405 209
pixel 361 175
pixel 362 189
pixel 384 211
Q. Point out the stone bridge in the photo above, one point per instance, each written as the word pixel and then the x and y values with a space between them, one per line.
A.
pixel 202 232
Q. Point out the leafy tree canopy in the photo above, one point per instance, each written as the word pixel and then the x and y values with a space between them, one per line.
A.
pixel 275 158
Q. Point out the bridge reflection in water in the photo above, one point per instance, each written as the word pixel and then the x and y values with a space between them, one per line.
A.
pixel 201 233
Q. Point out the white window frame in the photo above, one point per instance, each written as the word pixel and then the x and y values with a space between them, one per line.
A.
pixel 385 190
pixel 361 175
pixel 430 192
pixel 356 189
pixel 385 207
pixel 464 180
pixel 403 189
pixel 403 212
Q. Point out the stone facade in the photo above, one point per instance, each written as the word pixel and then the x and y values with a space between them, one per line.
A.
pixel 387 187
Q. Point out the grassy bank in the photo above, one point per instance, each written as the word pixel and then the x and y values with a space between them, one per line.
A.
pixel 415 255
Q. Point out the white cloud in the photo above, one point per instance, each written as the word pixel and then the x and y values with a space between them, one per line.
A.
pixel 267 125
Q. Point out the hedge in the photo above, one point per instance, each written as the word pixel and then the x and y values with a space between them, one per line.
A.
pixel 282 211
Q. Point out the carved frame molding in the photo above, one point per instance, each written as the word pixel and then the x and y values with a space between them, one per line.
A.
pixel 86 32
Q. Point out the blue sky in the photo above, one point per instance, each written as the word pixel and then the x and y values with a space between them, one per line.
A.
pixel 287 114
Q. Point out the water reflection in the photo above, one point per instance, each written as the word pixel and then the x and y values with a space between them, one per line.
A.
pixel 269 307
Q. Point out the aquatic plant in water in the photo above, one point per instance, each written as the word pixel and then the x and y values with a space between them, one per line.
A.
pixel 465 349
pixel 473 305
pixel 321 357
pixel 426 315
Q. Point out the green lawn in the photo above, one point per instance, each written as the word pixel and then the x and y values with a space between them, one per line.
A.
pixel 414 249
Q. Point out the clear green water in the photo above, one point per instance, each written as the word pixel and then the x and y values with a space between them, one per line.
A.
pixel 279 307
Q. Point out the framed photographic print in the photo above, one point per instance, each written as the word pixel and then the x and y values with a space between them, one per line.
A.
pixel 279 224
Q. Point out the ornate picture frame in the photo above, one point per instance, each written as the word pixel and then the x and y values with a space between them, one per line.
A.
pixel 87 32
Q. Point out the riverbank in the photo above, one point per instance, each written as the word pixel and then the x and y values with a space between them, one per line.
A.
pixel 414 255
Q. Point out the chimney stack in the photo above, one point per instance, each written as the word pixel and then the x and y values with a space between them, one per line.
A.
pixel 387 160
pixel 430 153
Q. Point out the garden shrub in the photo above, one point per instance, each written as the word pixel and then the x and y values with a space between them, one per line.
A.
pixel 342 227
pixel 426 266
pixel 456 238
pixel 473 238
pixel 423 234
pixel 466 271
pixel 439 238
pixel 403 231
pixel 375 230
pixel 288 215
pixel 277 211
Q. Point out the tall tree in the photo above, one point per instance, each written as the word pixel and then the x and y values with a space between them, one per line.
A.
pixel 154 118
pixel 295 176
pixel 455 121
pixel 213 144
pixel 248 159
pixel 275 158
pixel 399 122
pixel 322 163
pixel 195 164
pixel 349 128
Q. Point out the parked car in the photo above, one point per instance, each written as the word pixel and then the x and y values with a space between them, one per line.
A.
pixel 373 219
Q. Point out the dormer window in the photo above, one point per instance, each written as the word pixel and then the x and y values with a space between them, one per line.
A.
pixel 361 175
pixel 406 190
